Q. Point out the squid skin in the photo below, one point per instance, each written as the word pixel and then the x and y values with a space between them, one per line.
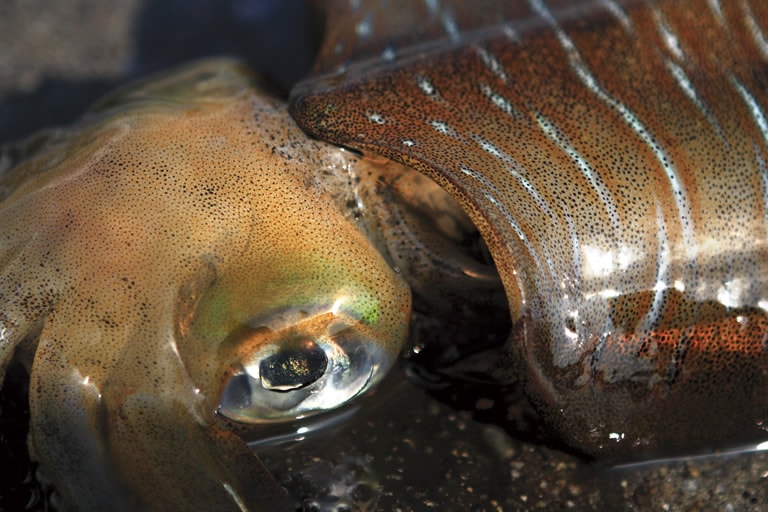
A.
pixel 613 156
pixel 144 255
pixel 611 153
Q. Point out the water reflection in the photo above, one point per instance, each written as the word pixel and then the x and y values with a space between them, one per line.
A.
pixel 400 449
pixel 403 449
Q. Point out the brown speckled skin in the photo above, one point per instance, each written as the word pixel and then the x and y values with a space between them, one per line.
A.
pixel 613 156
pixel 626 215
pixel 132 253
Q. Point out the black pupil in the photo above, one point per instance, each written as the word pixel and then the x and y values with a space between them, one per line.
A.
pixel 293 368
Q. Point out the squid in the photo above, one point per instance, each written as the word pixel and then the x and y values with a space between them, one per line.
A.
pixel 195 260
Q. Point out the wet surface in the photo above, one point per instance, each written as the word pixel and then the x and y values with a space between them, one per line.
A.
pixel 404 450
pixel 464 448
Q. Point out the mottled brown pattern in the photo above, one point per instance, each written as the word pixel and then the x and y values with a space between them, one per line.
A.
pixel 140 254
pixel 612 154
pixel 614 161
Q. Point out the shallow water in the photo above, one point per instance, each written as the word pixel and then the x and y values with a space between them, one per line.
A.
pixel 405 450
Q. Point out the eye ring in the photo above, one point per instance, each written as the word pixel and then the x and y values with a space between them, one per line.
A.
pixel 300 374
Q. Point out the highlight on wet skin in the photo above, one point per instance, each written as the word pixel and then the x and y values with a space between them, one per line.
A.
pixel 195 260
pixel 168 263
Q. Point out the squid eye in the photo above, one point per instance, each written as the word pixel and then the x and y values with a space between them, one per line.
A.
pixel 300 374
pixel 293 368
